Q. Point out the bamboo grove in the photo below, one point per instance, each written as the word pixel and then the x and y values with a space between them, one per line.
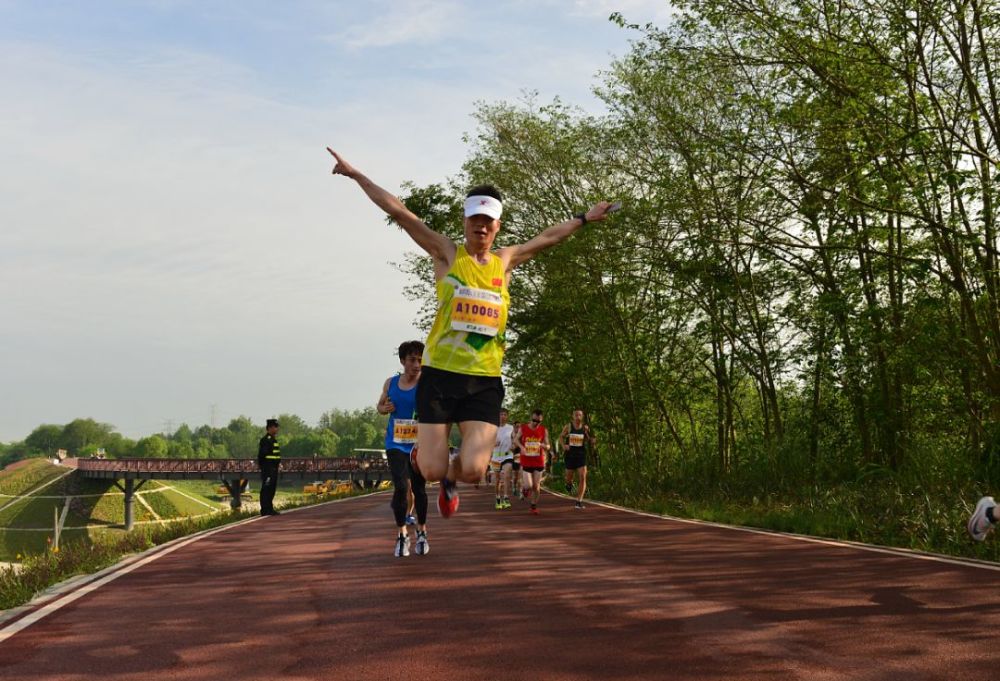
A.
pixel 803 285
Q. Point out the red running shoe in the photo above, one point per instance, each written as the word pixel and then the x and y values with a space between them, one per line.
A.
pixel 534 510
pixel 447 499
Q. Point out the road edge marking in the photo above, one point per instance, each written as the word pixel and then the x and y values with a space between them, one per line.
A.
pixel 64 593
pixel 842 543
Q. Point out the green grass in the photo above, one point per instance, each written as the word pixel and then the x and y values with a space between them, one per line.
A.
pixel 185 506
pixel 26 524
pixel 888 510
pixel 28 476
pixel 202 489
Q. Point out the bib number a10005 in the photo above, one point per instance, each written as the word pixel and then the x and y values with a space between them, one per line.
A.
pixel 476 310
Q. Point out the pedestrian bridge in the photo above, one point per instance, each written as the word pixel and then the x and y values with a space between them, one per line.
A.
pixel 364 471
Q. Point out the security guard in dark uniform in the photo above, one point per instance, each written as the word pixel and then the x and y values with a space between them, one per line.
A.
pixel 269 460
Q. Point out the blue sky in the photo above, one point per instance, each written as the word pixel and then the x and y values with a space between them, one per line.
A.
pixel 172 245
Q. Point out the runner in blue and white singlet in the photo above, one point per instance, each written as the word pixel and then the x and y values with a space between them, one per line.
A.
pixel 399 401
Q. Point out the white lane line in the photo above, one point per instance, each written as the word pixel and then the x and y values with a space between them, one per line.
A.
pixel 185 494
pixel 40 487
pixel 50 607
pixel 61 496
pixel 159 489
pixel 872 548
pixel 138 497
pixel 165 521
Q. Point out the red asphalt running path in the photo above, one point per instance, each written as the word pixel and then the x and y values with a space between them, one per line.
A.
pixel 503 595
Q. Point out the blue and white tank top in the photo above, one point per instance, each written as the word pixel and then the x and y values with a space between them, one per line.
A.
pixel 401 432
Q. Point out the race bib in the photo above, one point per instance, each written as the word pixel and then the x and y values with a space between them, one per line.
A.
pixel 532 447
pixel 576 439
pixel 476 310
pixel 404 431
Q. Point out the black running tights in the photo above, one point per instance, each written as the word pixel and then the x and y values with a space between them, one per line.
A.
pixel 402 471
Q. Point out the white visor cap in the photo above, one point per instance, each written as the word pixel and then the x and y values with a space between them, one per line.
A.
pixel 485 205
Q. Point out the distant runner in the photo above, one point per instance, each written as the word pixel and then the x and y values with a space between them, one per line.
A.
pixel 575 437
pixel 534 442
pixel 515 467
pixel 503 461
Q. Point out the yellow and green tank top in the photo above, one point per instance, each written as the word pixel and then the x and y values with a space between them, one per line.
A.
pixel 469 331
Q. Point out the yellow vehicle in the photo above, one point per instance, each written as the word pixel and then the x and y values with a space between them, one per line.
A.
pixel 319 487
pixel 223 491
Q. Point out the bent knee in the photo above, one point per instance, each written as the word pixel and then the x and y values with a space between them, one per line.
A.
pixel 473 473
pixel 431 467
pixel 433 471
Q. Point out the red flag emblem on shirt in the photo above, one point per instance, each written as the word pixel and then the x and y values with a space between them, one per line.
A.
pixel 498 282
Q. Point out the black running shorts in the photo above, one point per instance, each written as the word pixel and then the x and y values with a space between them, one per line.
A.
pixel 449 397
pixel 532 469
pixel 575 460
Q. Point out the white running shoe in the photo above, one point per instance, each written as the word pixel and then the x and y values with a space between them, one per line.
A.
pixel 423 546
pixel 402 546
pixel 979 525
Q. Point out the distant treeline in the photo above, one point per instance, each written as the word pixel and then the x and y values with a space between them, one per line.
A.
pixel 337 434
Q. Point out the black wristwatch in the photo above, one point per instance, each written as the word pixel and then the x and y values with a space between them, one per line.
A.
pixel 582 217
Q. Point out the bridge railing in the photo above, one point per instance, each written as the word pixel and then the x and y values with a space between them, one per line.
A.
pixel 224 467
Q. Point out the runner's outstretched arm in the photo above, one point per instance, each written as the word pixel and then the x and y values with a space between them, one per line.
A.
pixel 436 245
pixel 521 253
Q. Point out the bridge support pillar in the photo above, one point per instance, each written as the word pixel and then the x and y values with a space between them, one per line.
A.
pixel 235 488
pixel 129 489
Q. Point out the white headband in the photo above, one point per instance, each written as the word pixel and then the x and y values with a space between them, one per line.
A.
pixel 487 205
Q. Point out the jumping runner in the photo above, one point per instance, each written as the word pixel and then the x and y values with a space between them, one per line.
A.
pixel 460 380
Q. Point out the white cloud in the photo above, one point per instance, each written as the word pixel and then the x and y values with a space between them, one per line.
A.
pixel 404 22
